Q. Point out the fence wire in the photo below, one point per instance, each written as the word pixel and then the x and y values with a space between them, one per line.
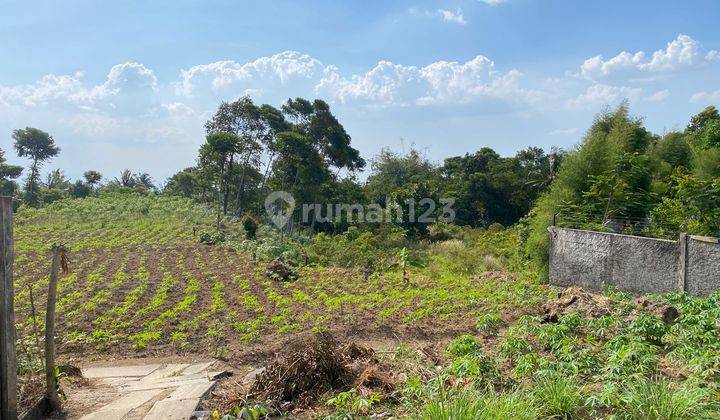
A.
pixel 630 225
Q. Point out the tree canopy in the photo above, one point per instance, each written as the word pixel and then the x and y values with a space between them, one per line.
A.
pixel 39 147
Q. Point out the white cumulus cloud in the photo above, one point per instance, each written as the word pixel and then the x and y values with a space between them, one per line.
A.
pixel 122 82
pixel 290 73
pixel 680 53
pixel 442 82
pixel 288 67
pixel 44 91
pixel 386 83
pixel 126 78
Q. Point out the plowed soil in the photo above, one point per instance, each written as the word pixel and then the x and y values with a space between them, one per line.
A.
pixel 138 301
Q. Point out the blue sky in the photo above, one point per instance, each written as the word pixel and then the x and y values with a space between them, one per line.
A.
pixel 130 83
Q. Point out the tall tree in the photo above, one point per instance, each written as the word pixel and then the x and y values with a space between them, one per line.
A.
pixel 8 174
pixel 243 119
pixel 703 133
pixel 39 147
pixel 299 168
pixel 92 178
pixel 276 124
pixel 183 183
pixel 699 121
pixel 605 177
pixel 391 171
pixel 218 151
pixel 325 132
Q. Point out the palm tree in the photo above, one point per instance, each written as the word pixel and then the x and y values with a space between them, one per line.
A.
pixel 127 179
pixel 145 180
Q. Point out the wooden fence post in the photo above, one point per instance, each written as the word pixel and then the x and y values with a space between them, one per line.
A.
pixel 58 255
pixel 8 364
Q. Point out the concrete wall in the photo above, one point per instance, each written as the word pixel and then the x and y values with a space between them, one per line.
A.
pixel 636 264
pixel 702 275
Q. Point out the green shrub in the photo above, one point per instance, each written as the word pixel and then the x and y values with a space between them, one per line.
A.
pixel 478 367
pixel 489 323
pixel 612 135
pixel 212 238
pixel 496 228
pixel 442 231
pixel 373 250
pixel 352 233
pixel 250 225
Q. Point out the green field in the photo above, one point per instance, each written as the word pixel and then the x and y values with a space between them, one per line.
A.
pixel 142 284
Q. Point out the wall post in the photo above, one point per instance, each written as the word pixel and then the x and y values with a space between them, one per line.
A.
pixel 682 263
pixel 8 363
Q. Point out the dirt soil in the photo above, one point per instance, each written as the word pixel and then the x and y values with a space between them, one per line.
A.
pixel 96 330
pixel 115 294
pixel 575 299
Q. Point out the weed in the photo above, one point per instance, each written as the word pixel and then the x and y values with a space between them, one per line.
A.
pixel 659 399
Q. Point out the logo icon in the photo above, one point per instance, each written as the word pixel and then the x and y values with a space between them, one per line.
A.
pixel 279 205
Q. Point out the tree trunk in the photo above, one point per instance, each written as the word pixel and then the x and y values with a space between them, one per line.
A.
pixel 227 187
pixel 220 189
pixel 267 171
pixel 295 181
pixel 50 378
pixel 241 188
pixel 32 185
pixel 265 179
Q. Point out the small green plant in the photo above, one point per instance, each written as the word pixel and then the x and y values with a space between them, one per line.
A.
pixel 212 238
pixel 351 402
pixel 463 345
pixel 479 368
pixel 245 412
pixel 141 340
pixel 488 323
pixel 496 228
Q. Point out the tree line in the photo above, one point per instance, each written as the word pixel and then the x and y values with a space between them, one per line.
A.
pixel 39 147
pixel 620 177
pixel 303 149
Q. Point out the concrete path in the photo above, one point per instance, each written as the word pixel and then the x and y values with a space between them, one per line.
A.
pixel 152 391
